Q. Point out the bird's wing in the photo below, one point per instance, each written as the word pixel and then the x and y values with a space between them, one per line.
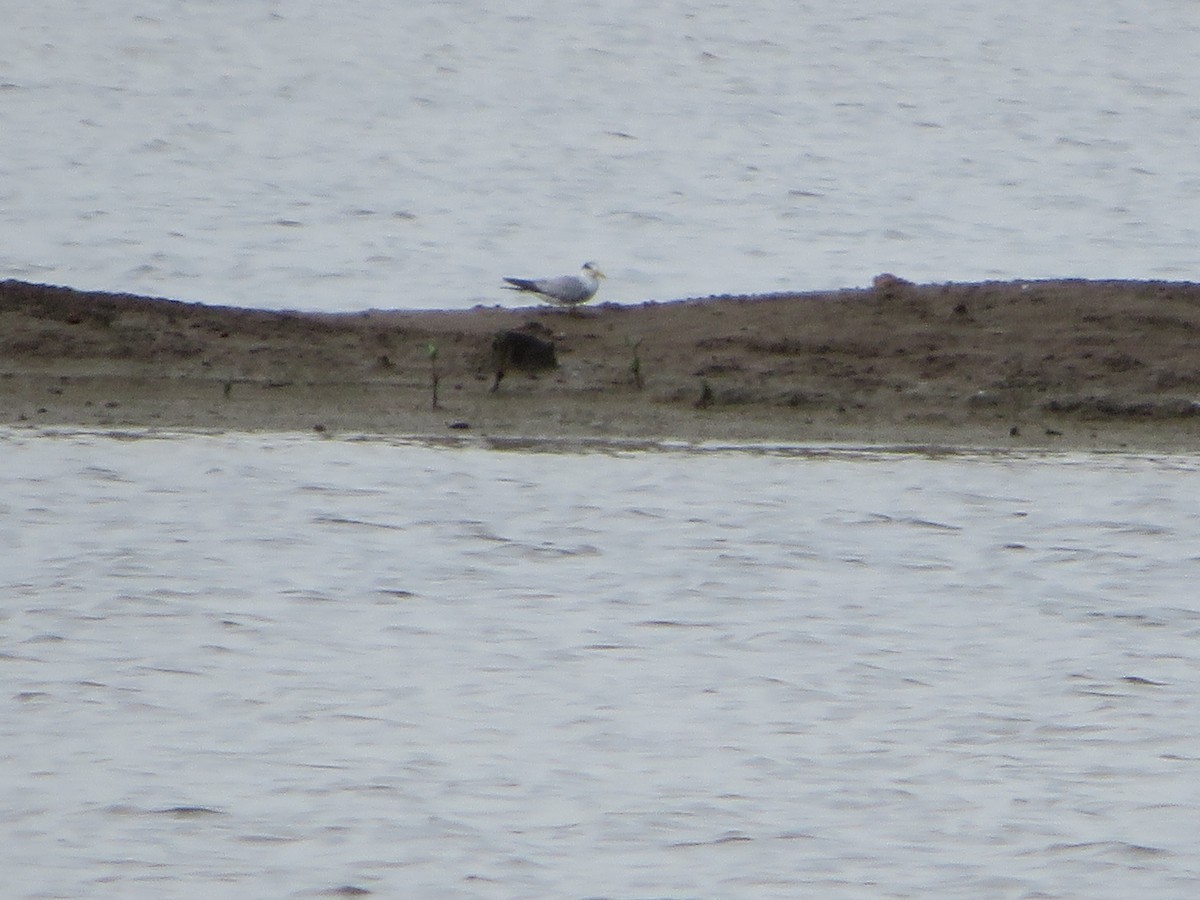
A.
pixel 522 284
pixel 565 289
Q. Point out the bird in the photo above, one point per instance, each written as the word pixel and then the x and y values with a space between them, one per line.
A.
pixel 565 290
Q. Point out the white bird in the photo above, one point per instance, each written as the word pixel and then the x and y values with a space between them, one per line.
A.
pixel 565 290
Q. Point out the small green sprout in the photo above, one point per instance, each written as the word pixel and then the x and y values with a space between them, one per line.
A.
pixel 434 375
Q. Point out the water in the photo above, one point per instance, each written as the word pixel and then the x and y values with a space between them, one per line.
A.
pixel 379 154
pixel 281 665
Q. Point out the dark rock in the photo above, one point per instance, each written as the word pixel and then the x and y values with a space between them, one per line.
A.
pixel 521 351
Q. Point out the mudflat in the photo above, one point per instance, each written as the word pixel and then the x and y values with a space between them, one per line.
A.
pixel 1024 364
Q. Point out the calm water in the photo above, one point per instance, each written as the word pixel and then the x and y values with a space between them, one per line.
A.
pixel 382 154
pixel 280 666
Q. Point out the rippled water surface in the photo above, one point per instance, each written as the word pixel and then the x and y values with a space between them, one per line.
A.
pixel 380 154
pixel 282 666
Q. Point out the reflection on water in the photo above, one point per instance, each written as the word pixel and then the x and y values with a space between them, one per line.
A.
pixel 282 665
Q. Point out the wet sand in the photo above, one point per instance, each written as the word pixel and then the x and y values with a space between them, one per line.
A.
pixel 1059 364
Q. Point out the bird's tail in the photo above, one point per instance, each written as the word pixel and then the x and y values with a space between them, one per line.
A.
pixel 520 284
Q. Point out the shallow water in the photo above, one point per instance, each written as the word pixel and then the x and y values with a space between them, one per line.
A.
pixel 379 154
pixel 278 666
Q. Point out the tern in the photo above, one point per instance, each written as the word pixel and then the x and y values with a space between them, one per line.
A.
pixel 565 290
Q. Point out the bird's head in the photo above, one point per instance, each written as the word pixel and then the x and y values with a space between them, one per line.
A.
pixel 592 269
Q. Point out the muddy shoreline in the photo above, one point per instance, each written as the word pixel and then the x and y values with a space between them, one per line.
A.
pixel 1058 364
